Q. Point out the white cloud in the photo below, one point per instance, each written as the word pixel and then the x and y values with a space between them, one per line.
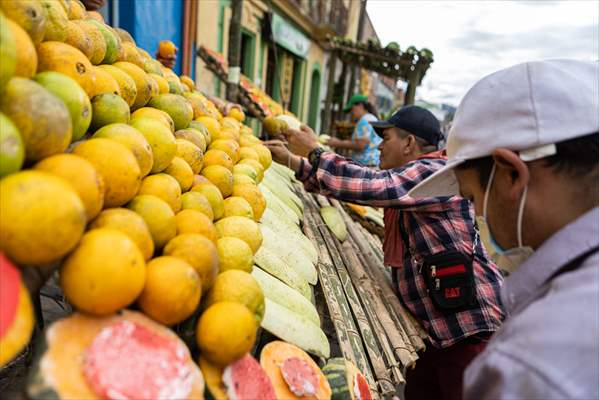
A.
pixel 471 39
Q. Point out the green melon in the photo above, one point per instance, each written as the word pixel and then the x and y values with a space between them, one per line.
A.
pixel 346 380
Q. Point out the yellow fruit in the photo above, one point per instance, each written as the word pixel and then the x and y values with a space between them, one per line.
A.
pixel 257 166
pixel 167 49
pixel 77 10
pixel 158 215
pixel 193 136
pixel 227 134
pixel 237 114
pixel 95 16
pixel 245 130
pixel 41 217
pixel 142 83
pixel 187 81
pixel 98 44
pixel 81 175
pixel 226 332
pixel 172 291
pixel 105 273
pixel 265 157
pixel 176 106
pixel 248 152
pixel 128 90
pixel 105 83
pixel 247 170
pixel 133 140
pixel 108 108
pixel 193 221
pixel 214 196
pixel 149 112
pixel 130 54
pixel 248 140
pixel 242 228
pixel 253 195
pixel 199 252
pixel 181 171
pixel 29 14
pixel 164 147
pixel 12 153
pixel 113 43
pixel 131 224
pixel 8 52
pixel 154 88
pixel 234 253
pixel 211 124
pixel 125 36
pixel 26 55
pixel 56 21
pixel 197 201
pixel 116 164
pixel 78 38
pixel 232 123
pixel 239 287
pixel 239 179
pixel 236 205
pixel 228 146
pixel 163 186
pixel 73 96
pixel 64 58
pixel 191 154
pixel 162 83
pixel 218 157
pixel 43 120
pixel 221 177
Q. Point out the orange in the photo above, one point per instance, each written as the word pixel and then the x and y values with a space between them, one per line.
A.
pixel 181 171
pixel 197 201
pixel 214 196
pixel 230 147
pixel 221 177
pixel 253 195
pixel 163 186
pixel 218 157
pixel 158 215
pixel 236 205
pixel 133 140
pixel 211 124
pixel 234 253
pixel 193 221
pixel 248 152
pixel 199 252
pixel 191 154
pixel 26 55
pixel 242 228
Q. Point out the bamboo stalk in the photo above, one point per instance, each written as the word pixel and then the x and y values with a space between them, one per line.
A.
pixel 348 332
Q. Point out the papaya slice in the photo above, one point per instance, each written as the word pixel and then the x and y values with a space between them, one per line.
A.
pixel 16 312
pixel 245 379
pixel 293 373
pixel 126 355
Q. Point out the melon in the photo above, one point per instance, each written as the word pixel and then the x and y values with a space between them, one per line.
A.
pixel 346 380
pixel 293 373
pixel 332 217
pixel 245 379
pixel 125 355
pixel 16 312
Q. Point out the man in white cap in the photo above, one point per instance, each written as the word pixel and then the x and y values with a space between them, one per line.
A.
pixel 524 147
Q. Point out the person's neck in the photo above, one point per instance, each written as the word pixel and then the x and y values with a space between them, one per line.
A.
pixel 567 202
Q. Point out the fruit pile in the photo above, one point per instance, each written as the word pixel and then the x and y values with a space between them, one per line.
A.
pixel 154 208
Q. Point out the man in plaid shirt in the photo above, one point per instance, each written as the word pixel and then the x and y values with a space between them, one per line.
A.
pixel 414 230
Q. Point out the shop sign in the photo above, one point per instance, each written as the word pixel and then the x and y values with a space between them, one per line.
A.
pixel 289 37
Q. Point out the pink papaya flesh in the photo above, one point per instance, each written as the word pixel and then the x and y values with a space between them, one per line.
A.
pixel 245 379
pixel 112 363
pixel 300 377
pixel 10 286
pixel 361 388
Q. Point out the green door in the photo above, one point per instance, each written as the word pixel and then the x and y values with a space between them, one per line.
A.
pixel 314 98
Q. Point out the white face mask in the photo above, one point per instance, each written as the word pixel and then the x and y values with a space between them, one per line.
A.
pixel 508 259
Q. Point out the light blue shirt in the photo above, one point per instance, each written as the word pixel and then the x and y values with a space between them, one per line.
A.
pixel 363 130
pixel 548 348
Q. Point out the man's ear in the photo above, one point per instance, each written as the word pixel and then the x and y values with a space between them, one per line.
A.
pixel 411 145
pixel 511 166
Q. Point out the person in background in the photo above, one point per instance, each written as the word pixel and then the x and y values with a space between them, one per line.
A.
pixel 524 147
pixel 441 270
pixel 364 141
pixel 93 5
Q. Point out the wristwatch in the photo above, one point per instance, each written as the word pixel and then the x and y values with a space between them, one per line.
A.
pixel 314 157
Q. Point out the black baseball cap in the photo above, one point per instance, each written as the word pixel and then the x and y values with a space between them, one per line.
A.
pixel 416 120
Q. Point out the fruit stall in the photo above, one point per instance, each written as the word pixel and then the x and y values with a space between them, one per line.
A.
pixel 150 248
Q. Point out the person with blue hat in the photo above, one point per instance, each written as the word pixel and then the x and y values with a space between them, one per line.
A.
pixel 364 142
pixel 441 269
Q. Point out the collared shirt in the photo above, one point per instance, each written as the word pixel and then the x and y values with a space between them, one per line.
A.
pixel 432 225
pixel 370 155
pixel 548 348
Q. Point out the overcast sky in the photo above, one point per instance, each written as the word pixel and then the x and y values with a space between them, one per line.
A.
pixel 471 39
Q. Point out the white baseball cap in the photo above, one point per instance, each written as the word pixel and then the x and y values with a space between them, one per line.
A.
pixel 526 108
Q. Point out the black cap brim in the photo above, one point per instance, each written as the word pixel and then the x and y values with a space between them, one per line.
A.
pixel 380 126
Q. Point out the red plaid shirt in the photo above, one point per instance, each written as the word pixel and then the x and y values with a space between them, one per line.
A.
pixel 432 225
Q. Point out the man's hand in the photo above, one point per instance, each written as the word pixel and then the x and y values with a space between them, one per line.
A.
pixel 301 142
pixel 282 155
